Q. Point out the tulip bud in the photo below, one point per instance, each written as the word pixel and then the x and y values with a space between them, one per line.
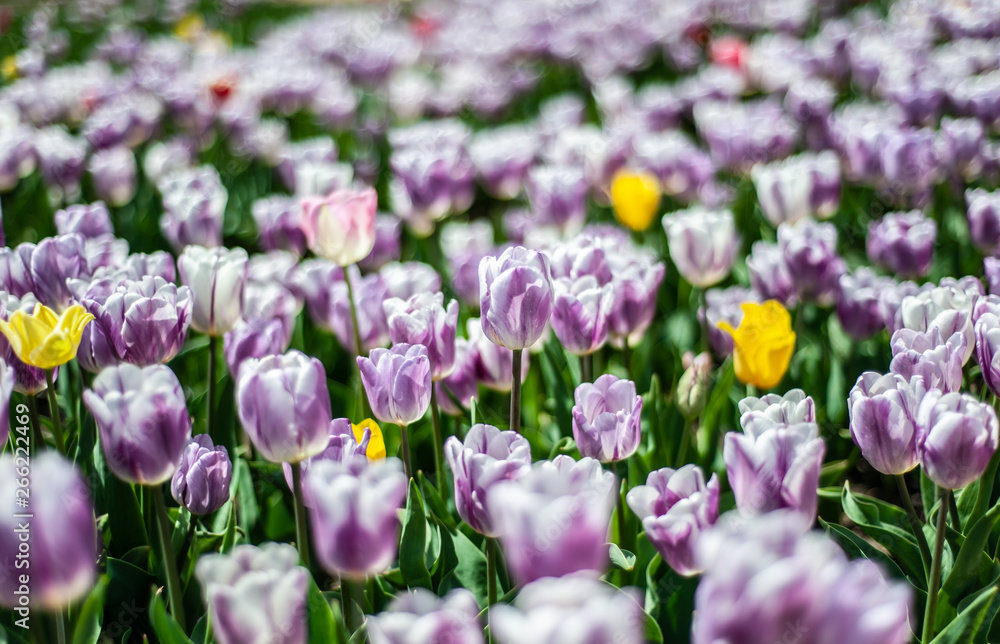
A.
pixel 960 435
pixel 883 412
pixel 558 196
pixel 606 419
pixel 354 518
pixel 987 343
pixel 279 226
pixel 341 226
pixel 515 297
pixel 858 302
pixel 694 386
pixel 143 421
pixel 255 594
pixel 201 482
pixel 113 171
pixel 216 277
pixel 284 406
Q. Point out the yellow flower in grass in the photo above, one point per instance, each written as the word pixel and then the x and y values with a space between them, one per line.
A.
pixel 376 443
pixel 635 198
pixel 44 339
pixel 763 343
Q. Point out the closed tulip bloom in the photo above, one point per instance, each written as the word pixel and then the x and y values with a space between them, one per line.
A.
pixel 810 252
pixel 254 338
pixel 515 297
pixel 703 244
pixel 397 382
pixel 770 579
pixel 494 363
pixel 902 242
pixel 806 185
pixel 987 343
pixel 388 229
pixel 793 407
pixel 325 292
pixel 64 546
pixel 635 286
pixel 558 196
pixel 858 302
pixel 929 356
pixel 607 420
pixel 255 595
pixel 90 220
pixel 570 610
pixel 113 172
pixel 355 521
pixel 194 202
pixel 991 268
pixel 346 443
pixel 284 406
pixel 883 413
pixel 42 339
pixel 422 319
pixel 984 219
pixel 959 438
pixel 15 270
pixel 369 437
pixel 54 261
pixel 675 507
pixel 769 275
pixel 724 305
pixel 948 308
pixel 554 519
pixel 341 226
pixel 485 458
pixel 635 198
pixel 216 277
pixel 278 219
pixel 763 343
pixel 406 279
pixel 694 385
pixel 418 615
pixel 142 419
pixel 456 390
pixel 580 313
pixel 201 482
pixel 772 467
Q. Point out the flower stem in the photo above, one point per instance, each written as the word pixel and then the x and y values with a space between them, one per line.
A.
pixel 347 604
pixel 301 529
pixel 956 520
pixel 404 451
pixel 985 490
pixel 213 362
pixel 751 390
pixel 934 585
pixel 61 627
pixel 685 443
pixel 623 534
pixel 627 358
pixel 515 392
pixel 587 368
pixel 915 523
pixel 365 413
pixel 438 441
pixel 54 412
pixel 169 563
pixel 36 426
pixel 491 575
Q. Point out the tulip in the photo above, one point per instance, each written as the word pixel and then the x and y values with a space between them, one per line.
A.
pixel 42 339
pixel 201 482
pixel 554 519
pixel 326 295
pixel 494 363
pixel 484 459
pixel 142 419
pixel 194 202
pixel 769 275
pixel 858 302
pixel 27 379
pixel 807 185
pixel 418 615
pixel 398 382
pixel 580 312
pixel 254 338
pixel 694 385
pixel 114 174
pixel 763 343
pixel 346 443
pixel 987 342
pixel 569 610
pixel 810 252
pixel 341 226
pixel 703 244
pixel 959 437
pixel 502 156
pixel 278 220
pixel 54 261
pixel 462 385
pixel 635 198
pixel 939 363
pixel 984 219
pixel 635 287
pixel 423 320
pixel 794 407
pixel 948 308
pixel 15 270
pixel 64 545
pixel 772 467
pixel 216 277
pixel 89 220
pixel 991 267
pixel 355 521
pixel 369 436
pixel 284 406
pixel 406 279
pixel 822 597
pixel 676 507
pixel 558 196
pixel 255 594
pixel 606 419
pixel 515 297
pixel 387 243
pixel 902 242
pixel 883 411
pixel 464 245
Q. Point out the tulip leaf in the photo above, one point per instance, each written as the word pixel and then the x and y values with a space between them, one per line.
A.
pixel 229 538
pixel 858 548
pixel 973 568
pixel 470 572
pixel 246 500
pixel 670 601
pixel 128 530
pixel 888 525
pixel 972 624
pixel 167 630
pixel 88 623
pixel 320 615
pixel 200 633
pixel 413 543
pixel 436 504
pixel 621 558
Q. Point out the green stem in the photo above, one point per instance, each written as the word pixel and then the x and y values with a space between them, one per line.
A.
pixel 685 442
pixel 751 390
pixel 623 533
pixel 301 529
pixel 213 362
pixel 365 413
pixel 587 368
pixel 60 620
pixel 438 442
pixel 347 604
pixel 915 524
pixel 934 585
pixel 36 427
pixel 54 412
pixel 515 392
pixel 169 563
pixel 491 575
pixel 956 521
pixel 703 321
pixel 985 490
pixel 627 358
pixel 404 451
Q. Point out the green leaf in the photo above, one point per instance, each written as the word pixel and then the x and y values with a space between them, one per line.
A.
pixel 229 538
pixel 128 530
pixel 246 500
pixel 888 526
pixel 413 542
pixel 88 624
pixel 470 573
pixel 321 623
pixel 858 548
pixel 166 629
pixel 435 503
pixel 621 558
pixel 200 633
pixel 973 568
pixel 973 623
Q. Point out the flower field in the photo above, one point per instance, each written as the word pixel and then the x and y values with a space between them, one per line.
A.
pixel 507 321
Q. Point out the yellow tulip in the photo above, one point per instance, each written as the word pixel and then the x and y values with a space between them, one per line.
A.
pixel 43 339
pixel 376 444
pixel 8 68
pixel 763 343
pixel 635 198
